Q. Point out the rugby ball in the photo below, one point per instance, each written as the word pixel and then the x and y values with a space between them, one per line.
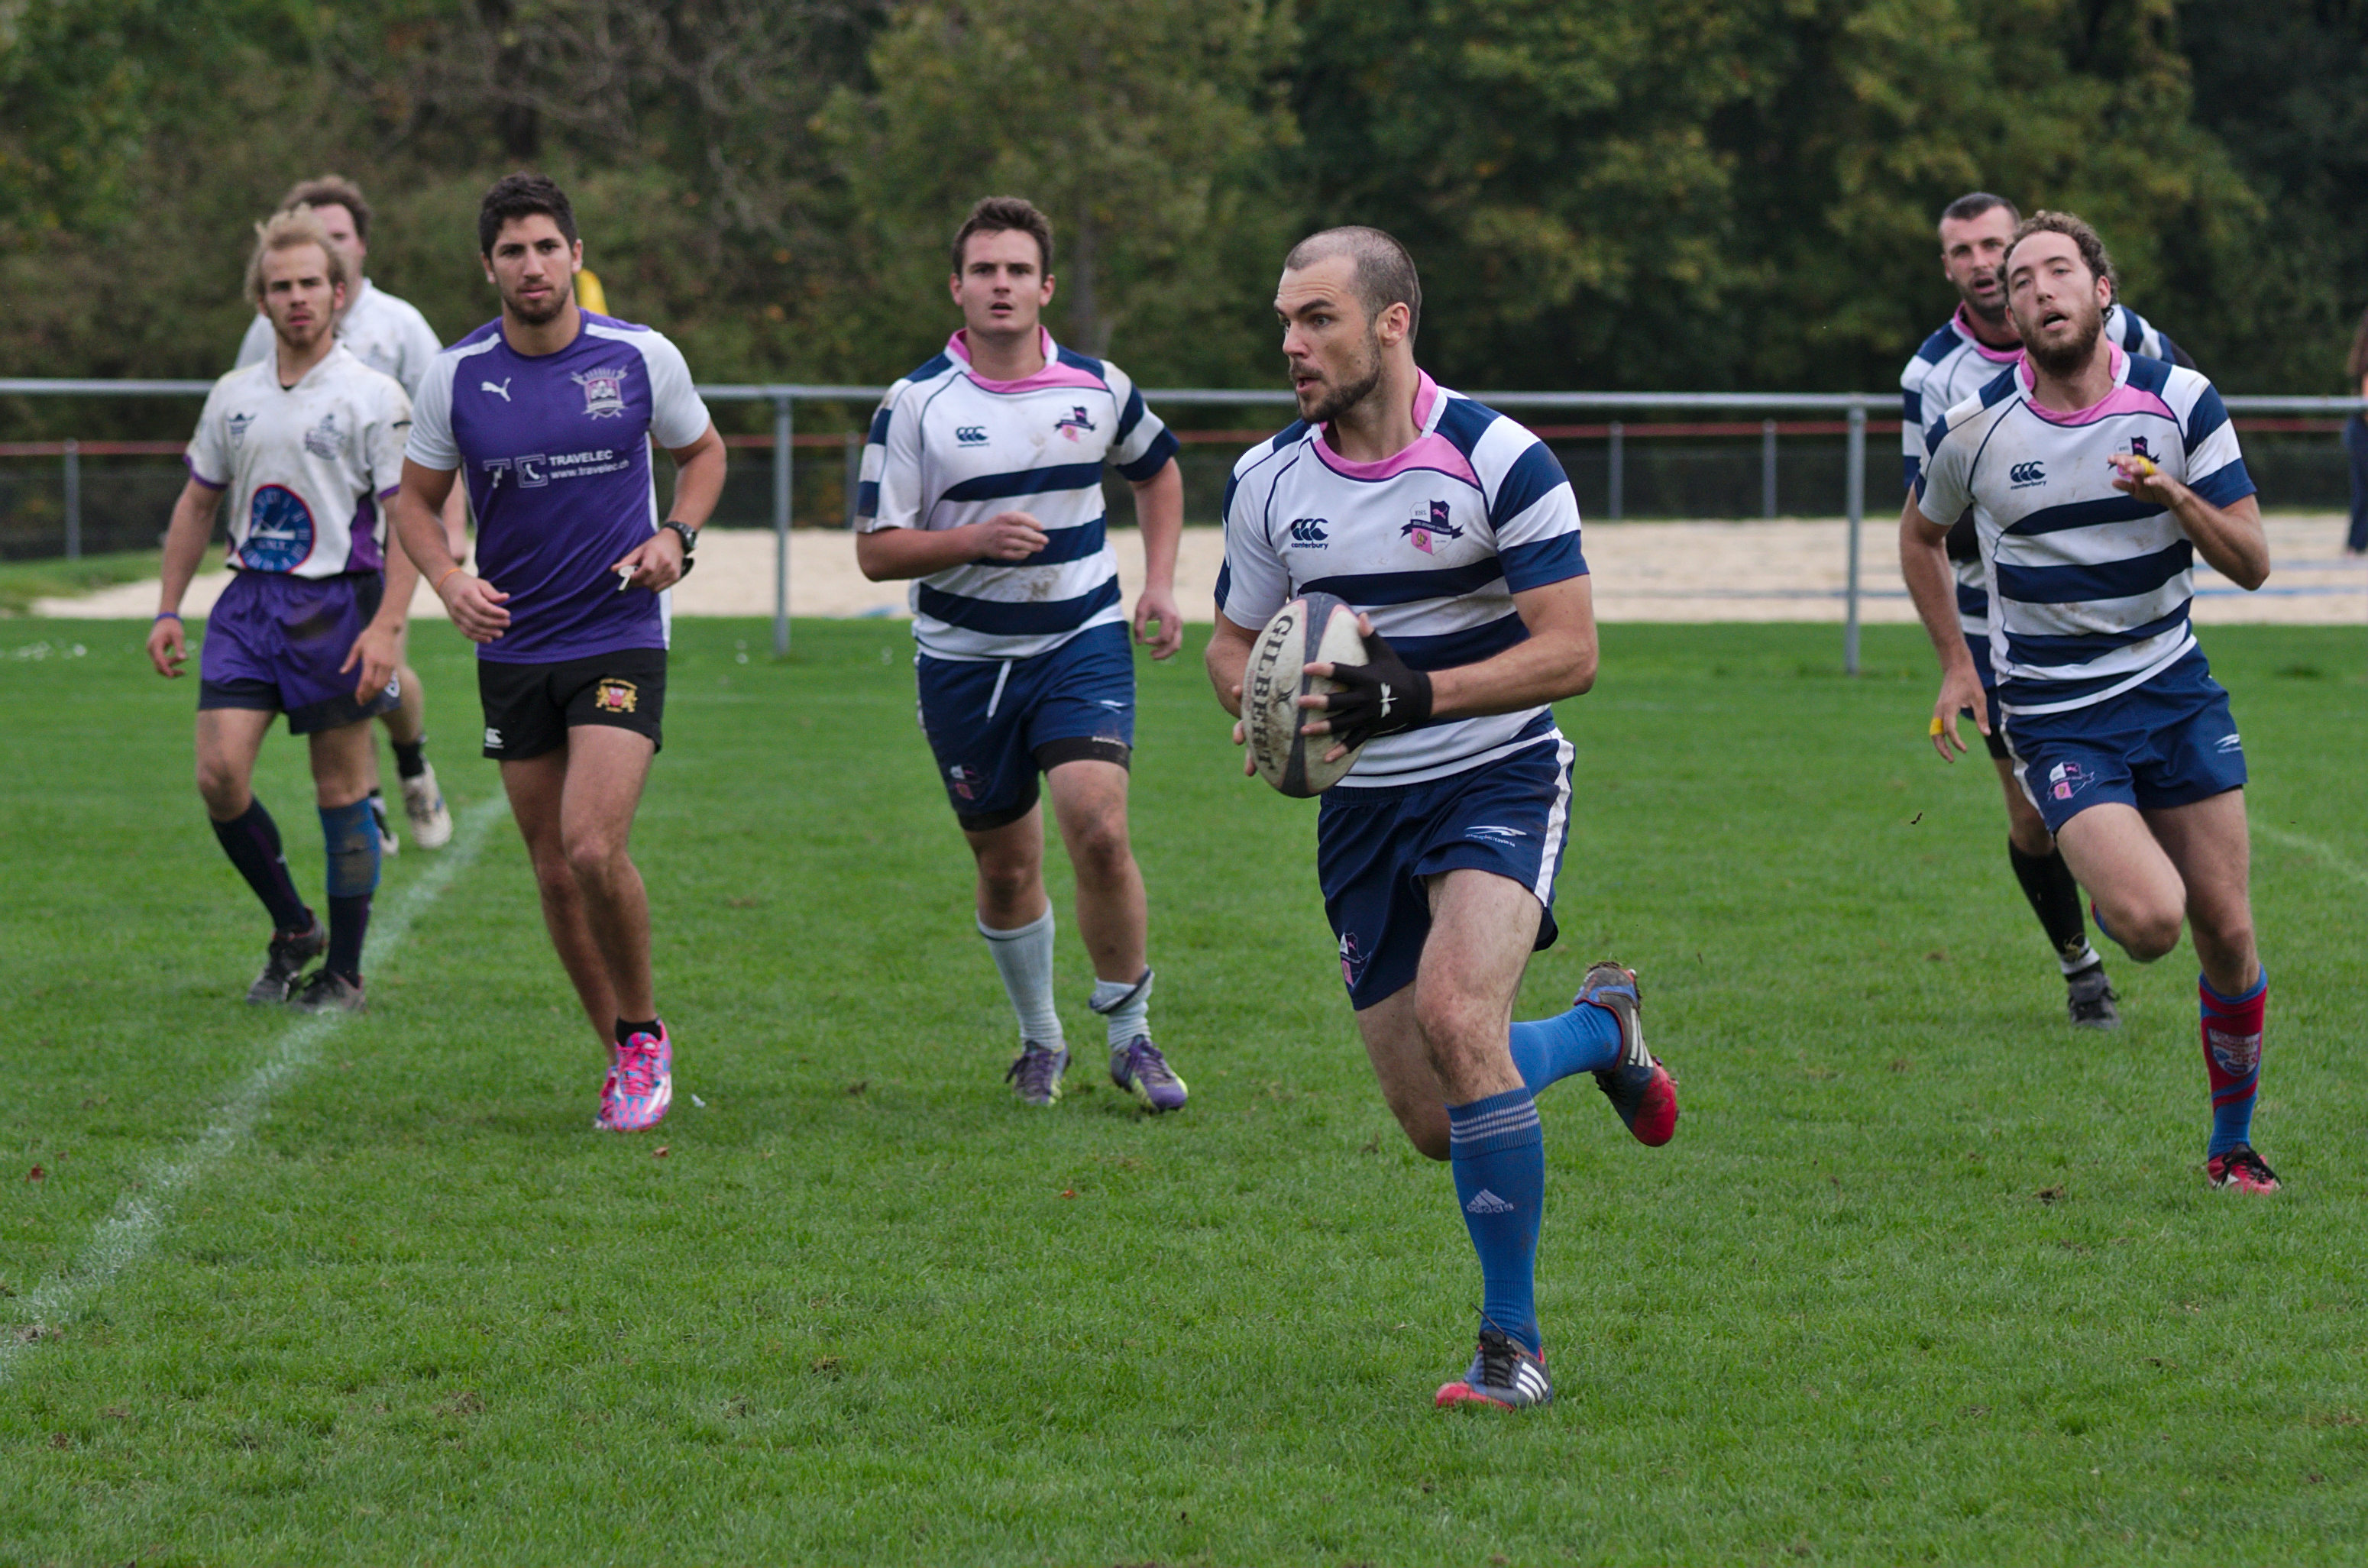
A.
pixel 1311 629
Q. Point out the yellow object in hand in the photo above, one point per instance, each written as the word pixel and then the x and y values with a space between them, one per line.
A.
pixel 1937 725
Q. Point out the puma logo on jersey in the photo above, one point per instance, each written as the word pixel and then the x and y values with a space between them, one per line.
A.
pixel 502 391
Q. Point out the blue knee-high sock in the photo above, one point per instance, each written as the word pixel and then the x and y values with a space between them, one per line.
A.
pixel 1547 1050
pixel 251 839
pixel 1499 1153
pixel 352 837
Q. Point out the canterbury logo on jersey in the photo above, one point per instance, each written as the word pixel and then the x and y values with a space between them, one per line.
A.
pixel 1308 531
pixel 2022 474
pixel 971 435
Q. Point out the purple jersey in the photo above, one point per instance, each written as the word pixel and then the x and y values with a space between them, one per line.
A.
pixel 555 451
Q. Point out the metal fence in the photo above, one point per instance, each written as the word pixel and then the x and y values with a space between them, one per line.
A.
pixel 1850 416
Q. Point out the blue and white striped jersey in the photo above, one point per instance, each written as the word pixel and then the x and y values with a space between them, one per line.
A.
pixel 2092 583
pixel 1432 543
pixel 1954 365
pixel 950 447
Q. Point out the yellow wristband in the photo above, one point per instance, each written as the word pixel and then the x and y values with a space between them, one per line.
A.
pixel 1937 725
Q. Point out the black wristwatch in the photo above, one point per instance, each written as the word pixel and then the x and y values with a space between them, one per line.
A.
pixel 690 542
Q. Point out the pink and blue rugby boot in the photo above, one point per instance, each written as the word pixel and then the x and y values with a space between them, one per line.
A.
pixel 640 1085
pixel 1638 1087
pixel 1504 1375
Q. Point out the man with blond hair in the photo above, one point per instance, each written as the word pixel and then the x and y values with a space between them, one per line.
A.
pixel 307 443
pixel 389 336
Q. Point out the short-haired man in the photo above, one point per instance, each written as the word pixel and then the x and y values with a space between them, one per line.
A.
pixel 551 411
pixel 1970 350
pixel 1453 532
pixel 2095 477
pixel 983 483
pixel 307 443
pixel 389 336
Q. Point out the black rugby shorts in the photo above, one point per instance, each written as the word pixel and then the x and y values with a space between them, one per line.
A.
pixel 530 708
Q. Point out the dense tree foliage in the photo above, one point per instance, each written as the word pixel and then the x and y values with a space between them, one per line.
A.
pixel 1602 193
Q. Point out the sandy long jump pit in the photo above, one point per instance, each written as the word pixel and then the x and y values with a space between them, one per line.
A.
pixel 1788 569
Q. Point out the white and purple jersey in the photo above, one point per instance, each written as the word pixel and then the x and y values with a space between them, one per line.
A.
pixel 556 450
pixel 384 333
pixel 1432 543
pixel 306 466
pixel 1952 366
pixel 950 447
pixel 2091 585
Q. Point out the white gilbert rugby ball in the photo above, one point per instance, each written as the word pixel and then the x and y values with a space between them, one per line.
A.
pixel 1312 630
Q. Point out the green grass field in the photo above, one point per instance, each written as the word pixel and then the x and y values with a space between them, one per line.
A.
pixel 1924 1275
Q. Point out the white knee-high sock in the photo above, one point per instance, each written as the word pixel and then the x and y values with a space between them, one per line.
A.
pixel 1024 959
pixel 1127 1007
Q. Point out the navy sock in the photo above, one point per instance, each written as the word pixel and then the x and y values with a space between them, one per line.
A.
pixel 252 841
pixel 1547 1050
pixel 627 1030
pixel 410 757
pixel 352 838
pixel 1499 1155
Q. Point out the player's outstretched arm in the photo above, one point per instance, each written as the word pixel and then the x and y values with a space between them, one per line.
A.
pixel 474 605
pixel 1159 512
pixel 184 548
pixel 1924 563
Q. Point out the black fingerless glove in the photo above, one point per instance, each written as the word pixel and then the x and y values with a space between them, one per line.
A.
pixel 1380 697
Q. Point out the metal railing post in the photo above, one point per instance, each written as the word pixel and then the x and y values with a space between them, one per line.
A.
pixel 1857 508
pixel 1768 468
pixel 783 428
pixel 854 471
pixel 73 498
pixel 1619 469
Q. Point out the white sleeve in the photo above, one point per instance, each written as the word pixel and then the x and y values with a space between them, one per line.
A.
pixel 209 452
pixel 677 416
pixel 1944 489
pixel 431 444
pixel 890 493
pixel 256 346
pixel 1253 583
pixel 382 446
pixel 418 351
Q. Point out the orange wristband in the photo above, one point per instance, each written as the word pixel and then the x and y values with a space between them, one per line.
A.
pixel 439 582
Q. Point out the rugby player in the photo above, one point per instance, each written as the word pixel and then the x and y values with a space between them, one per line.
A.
pixel 982 481
pixel 307 443
pixel 2095 477
pixel 1454 533
pixel 1972 347
pixel 389 335
pixel 550 411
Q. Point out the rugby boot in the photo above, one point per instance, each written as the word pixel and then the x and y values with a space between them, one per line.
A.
pixel 1504 1375
pixel 1035 1073
pixel 1638 1087
pixel 2088 996
pixel 640 1085
pixel 2241 1170
pixel 423 802
pixel 326 992
pixel 1140 1069
pixel 389 844
pixel 284 965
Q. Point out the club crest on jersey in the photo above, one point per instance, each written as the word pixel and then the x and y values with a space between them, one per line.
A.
pixel 2138 447
pixel 279 531
pixel 238 424
pixel 604 392
pixel 324 439
pixel 1431 528
pixel 1073 422
pixel 615 697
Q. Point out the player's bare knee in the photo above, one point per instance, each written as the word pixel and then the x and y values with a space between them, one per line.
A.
pixel 222 787
pixel 1006 884
pixel 1102 853
pixel 594 856
pixel 2146 932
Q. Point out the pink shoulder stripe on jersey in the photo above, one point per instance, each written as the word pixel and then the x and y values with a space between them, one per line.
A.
pixel 1964 326
pixel 1053 374
pixel 1431 450
pixel 2123 399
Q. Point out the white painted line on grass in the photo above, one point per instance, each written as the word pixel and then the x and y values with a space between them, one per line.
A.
pixel 2326 855
pixel 126 1235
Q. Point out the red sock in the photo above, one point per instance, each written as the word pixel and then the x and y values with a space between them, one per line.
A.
pixel 2232 1058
